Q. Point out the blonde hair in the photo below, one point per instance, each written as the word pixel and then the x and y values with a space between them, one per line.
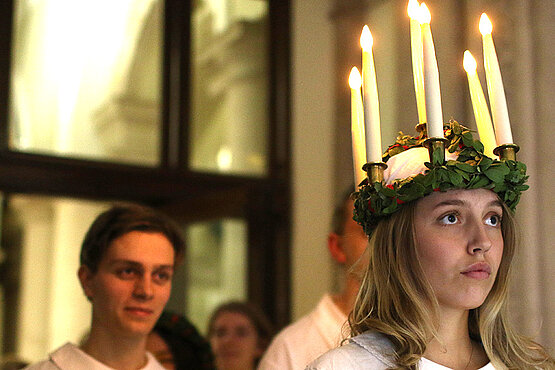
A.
pixel 395 299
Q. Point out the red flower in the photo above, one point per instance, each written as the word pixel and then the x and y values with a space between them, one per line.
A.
pixel 405 147
pixel 399 201
pixel 461 145
pixel 389 186
pixel 436 189
pixel 370 207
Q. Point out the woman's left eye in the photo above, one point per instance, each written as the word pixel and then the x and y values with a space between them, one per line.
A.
pixel 493 220
pixel 449 219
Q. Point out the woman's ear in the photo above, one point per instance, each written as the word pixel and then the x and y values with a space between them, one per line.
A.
pixel 335 248
pixel 85 276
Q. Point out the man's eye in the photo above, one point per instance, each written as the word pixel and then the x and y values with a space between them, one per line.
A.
pixel 163 276
pixel 126 273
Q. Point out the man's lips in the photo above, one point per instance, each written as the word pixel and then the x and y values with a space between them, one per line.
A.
pixel 479 271
pixel 139 311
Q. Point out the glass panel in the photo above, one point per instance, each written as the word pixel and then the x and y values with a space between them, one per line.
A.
pixel 215 271
pixel 229 120
pixel 43 305
pixel 86 79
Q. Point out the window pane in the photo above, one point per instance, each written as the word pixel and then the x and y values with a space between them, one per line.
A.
pixel 43 305
pixel 215 269
pixel 86 79
pixel 229 87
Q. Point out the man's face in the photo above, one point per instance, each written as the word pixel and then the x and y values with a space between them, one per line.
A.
pixel 354 240
pixel 132 284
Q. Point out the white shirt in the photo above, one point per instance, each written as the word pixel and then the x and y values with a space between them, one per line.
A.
pixel 70 357
pixel 371 351
pixel 306 339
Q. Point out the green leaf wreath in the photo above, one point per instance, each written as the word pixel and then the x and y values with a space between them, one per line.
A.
pixel 472 170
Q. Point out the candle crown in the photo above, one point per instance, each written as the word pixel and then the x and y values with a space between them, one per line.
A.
pixel 412 175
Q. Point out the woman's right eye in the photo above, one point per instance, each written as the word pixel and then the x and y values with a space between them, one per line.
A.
pixel 449 219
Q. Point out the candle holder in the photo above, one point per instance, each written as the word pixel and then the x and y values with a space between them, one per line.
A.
pixel 506 152
pixel 436 145
pixel 422 128
pixel 375 171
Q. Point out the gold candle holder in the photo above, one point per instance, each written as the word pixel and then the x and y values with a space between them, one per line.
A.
pixel 375 171
pixel 433 144
pixel 506 152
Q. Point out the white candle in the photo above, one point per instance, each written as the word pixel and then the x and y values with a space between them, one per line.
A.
pixel 479 105
pixel 371 104
pixel 496 93
pixel 357 126
pixel 434 115
pixel 413 10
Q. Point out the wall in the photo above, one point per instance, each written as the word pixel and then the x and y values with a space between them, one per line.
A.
pixel 313 151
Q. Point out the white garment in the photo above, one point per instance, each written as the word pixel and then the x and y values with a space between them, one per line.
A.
pixel 371 351
pixel 70 357
pixel 306 339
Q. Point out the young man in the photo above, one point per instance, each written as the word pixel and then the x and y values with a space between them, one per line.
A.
pixel 127 262
pixel 321 330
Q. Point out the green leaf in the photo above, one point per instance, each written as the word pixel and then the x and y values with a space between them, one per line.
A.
pixel 497 173
pixel 465 167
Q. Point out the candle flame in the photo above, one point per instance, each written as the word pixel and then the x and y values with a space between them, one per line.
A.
pixel 366 40
pixel 413 9
pixel 424 15
pixel 469 62
pixel 485 24
pixel 355 81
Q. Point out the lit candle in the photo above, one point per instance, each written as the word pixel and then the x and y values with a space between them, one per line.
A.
pixel 371 104
pixel 357 126
pixel 479 105
pixel 434 115
pixel 413 10
pixel 496 92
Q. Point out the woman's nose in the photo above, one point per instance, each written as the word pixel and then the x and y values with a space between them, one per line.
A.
pixel 479 240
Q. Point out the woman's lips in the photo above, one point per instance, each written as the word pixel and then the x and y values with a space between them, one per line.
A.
pixel 478 271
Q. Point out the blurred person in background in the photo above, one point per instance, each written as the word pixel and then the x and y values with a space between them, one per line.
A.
pixel 239 333
pixel 321 330
pixel 177 344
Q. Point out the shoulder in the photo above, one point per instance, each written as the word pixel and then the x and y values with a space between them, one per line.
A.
pixel 53 362
pixel 302 341
pixel 369 350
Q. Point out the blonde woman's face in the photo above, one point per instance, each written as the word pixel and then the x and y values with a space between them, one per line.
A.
pixel 459 244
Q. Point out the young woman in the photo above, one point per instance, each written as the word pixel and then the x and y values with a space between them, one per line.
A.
pixel 239 334
pixel 442 239
pixel 127 262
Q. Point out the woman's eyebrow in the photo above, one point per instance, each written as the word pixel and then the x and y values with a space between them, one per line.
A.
pixel 451 202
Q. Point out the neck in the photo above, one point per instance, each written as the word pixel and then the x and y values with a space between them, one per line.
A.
pixel 114 351
pixel 345 300
pixel 453 347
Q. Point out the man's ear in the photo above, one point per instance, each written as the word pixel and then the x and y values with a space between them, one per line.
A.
pixel 85 277
pixel 335 248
